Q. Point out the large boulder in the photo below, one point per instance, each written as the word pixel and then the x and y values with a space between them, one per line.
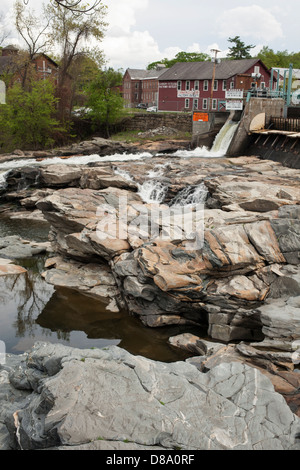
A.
pixel 82 397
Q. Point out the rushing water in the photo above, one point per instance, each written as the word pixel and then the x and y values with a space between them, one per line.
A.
pixel 32 310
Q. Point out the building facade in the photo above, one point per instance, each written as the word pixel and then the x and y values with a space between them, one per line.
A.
pixel 203 85
pixel 13 65
pixel 140 87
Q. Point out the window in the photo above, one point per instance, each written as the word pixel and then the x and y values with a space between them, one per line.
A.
pixel 224 87
pixel 188 85
pixel 196 104
pixel 231 85
pixel 263 85
pixel 216 85
pixel 214 104
pixel 196 86
pixel 256 69
pixel 179 85
pixel 205 103
pixel 187 103
pixel 205 85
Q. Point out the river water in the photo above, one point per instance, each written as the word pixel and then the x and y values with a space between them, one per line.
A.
pixel 32 310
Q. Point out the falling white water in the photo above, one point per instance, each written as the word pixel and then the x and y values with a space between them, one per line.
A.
pixel 190 195
pixel 152 191
pixel 125 174
pixel 224 137
pixel 220 145
pixel 3 178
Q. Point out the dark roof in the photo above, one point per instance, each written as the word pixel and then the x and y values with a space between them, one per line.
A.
pixel 139 74
pixel 10 47
pixel 204 70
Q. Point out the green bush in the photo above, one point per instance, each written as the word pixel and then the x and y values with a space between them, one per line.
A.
pixel 105 102
pixel 28 119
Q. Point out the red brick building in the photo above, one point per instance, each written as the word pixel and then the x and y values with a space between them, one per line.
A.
pixel 189 85
pixel 12 66
pixel 141 87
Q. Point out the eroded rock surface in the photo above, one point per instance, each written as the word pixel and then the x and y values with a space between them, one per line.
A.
pixel 113 398
pixel 248 261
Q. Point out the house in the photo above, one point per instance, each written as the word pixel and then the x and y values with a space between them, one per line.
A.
pixel 188 85
pixel 141 86
pixel 12 66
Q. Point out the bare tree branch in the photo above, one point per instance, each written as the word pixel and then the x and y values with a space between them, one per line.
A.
pixel 76 6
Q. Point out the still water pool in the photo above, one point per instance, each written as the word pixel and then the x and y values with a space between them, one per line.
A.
pixel 32 310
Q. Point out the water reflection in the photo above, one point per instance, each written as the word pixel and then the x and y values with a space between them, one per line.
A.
pixel 22 297
pixel 32 310
pixel 27 229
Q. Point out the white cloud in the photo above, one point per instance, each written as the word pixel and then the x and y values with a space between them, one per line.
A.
pixel 250 21
pixel 134 50
pixel 122 14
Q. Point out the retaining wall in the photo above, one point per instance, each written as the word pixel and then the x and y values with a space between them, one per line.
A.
pixel 147 121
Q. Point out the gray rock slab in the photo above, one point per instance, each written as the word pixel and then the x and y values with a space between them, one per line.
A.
pixel 92 397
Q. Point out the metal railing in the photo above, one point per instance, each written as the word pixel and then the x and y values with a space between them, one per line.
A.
pixel 282 124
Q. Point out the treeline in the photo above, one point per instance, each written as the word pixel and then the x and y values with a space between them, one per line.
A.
pixel 238 50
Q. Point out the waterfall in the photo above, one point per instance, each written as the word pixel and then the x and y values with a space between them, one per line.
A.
pixel 224 138
pixel 220 145
pixel 190 195
pixel 3 176
pixel 153 191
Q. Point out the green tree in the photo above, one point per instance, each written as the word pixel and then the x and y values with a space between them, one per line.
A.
pixel 70 31
pixel 280 59
pixel 104 99
pixel 180 57
pixel 239 50
pixel 28 118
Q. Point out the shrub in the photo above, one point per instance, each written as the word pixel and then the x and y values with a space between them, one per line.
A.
pixel 28 119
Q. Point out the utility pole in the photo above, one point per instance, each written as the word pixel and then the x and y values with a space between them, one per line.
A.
pixel 213 77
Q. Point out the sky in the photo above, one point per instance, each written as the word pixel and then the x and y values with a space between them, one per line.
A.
pixel 143 31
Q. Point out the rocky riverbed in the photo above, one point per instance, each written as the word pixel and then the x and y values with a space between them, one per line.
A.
pixel 241 284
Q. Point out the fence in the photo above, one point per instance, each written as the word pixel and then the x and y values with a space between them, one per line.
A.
pixel 282 124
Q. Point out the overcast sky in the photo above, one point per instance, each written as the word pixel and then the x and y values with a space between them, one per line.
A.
pixel 143 31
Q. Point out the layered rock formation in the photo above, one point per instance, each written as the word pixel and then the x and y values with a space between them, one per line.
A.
pixel 249 255
pixel 242 284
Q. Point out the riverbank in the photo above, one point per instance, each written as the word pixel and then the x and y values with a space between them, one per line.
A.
pixel 106 147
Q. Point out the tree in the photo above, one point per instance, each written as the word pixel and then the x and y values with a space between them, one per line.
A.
pixel 34 32
pixel 84 70
pixel 70 31
pixel 180 57
pixel 279 59
pixel 28 118
pixel 104 99
pixel 75 6
pixel 239 50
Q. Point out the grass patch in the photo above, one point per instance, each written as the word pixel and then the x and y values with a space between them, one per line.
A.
pixel 131 137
